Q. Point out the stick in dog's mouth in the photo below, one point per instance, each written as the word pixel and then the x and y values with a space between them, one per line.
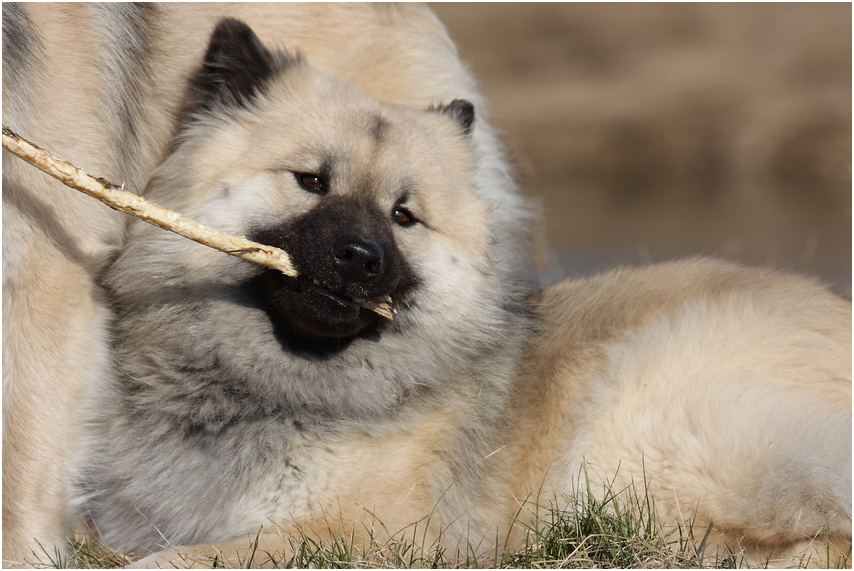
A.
pixel 381 306
pixel 118 199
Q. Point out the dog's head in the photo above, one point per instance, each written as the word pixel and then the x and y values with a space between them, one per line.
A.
pixel 368 198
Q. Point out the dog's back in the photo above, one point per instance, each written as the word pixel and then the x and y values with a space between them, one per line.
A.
pixel 723 392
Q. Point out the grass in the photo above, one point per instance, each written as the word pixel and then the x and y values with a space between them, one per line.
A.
pixel 618 531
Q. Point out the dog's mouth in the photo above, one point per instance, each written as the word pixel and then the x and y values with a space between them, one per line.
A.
pixel 309 309
pixel 381 305
pixel 349 270
pixel 312 284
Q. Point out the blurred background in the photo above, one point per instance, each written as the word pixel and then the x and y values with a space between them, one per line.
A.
pixel 653 131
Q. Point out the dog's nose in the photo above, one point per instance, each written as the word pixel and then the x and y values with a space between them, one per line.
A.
pixel 356 259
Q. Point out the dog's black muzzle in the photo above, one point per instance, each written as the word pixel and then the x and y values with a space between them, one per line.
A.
pixel 344 251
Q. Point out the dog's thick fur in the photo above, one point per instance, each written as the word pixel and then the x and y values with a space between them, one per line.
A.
pixel 247 400
pixel 102 86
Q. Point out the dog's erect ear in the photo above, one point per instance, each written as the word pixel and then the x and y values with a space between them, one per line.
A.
pixel 460 111
pixel 236 67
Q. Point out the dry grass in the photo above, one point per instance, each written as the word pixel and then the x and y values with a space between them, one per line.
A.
pixel 619 531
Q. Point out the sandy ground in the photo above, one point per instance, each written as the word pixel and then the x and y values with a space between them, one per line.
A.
pixel 650 131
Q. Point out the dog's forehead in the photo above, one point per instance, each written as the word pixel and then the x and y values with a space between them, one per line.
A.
pixel 371 173
pixel 320 110
pixel 376 150
pixel 364 146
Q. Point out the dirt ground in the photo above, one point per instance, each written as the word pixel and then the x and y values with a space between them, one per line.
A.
pixel 650 131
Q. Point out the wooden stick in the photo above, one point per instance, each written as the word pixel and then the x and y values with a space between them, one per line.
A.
pixel 117 198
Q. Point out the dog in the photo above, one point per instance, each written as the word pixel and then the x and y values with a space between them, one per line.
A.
pixel 250 407
pixel 103 86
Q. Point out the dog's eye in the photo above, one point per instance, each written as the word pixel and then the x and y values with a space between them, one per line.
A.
pixel 311 182
pixel 403 217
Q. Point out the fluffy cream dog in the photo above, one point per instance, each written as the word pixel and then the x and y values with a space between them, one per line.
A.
pixel 243 400
pixel 247 400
